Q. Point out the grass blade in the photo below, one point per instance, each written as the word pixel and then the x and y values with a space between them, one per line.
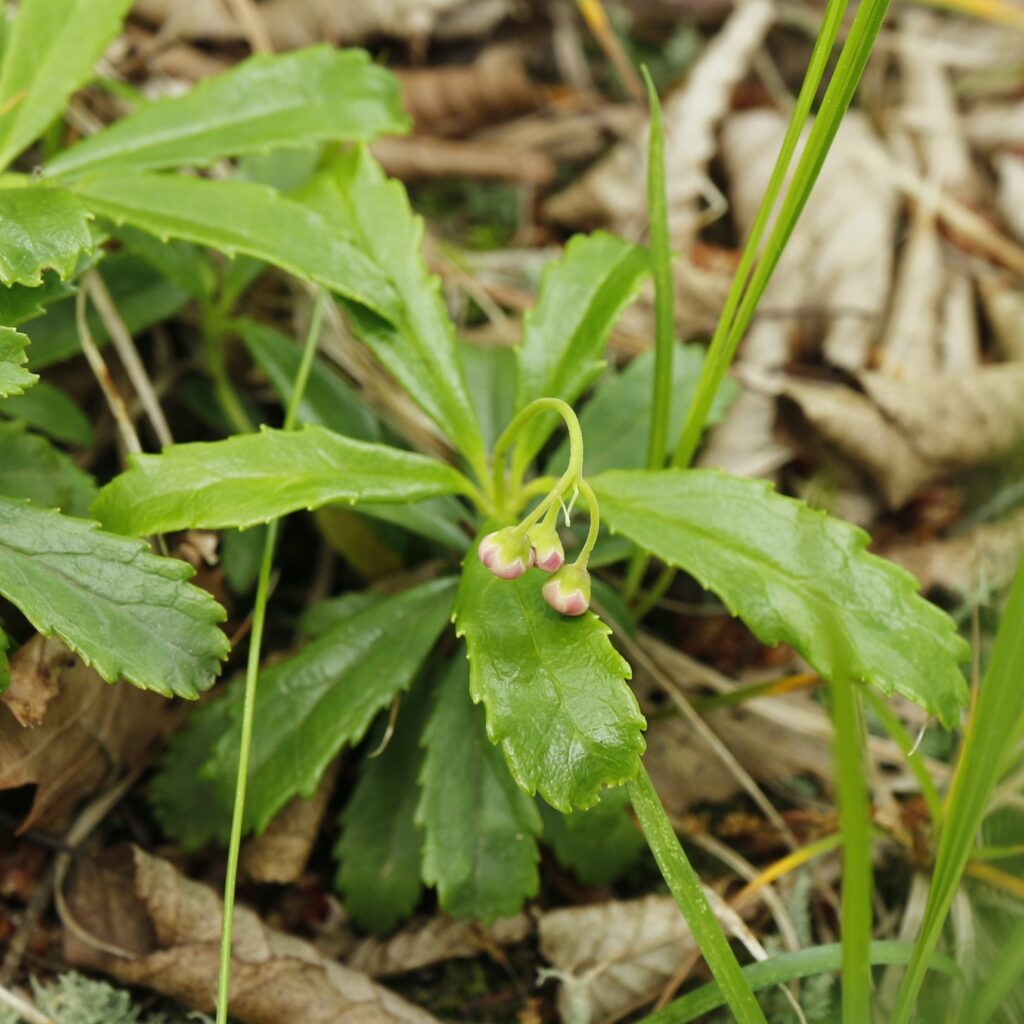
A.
pixel 741 304
pixel 805 963
pixel 990 733
pixel 686 888
pixel 854 819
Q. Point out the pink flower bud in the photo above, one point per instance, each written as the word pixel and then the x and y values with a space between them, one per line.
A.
pixel 547 548
pixel 568 590
pixel 506 553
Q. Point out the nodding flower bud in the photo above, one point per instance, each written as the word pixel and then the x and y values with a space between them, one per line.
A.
pixel 507 553
pixel 568 591
pixel 547 548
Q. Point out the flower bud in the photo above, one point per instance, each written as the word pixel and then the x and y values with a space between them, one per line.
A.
pixel 568 590
pixel 547 548
pixel 506 553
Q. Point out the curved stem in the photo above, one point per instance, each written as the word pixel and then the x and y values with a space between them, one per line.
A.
pixel 595 522
pixel 259 617
pixel 508 435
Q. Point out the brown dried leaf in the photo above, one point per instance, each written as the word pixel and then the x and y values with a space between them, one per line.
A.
pixel 279 855
pixel 440 938
pixel 613 192
pixel 291 24
pixel 983 558
pixel 169 927
pixel 450 99
pixel 1004 307
pixel 89 733
pixel 909 432
pixel 423 156
pixel 609 955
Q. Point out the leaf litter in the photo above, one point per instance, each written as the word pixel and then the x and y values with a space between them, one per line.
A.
pixel 889 344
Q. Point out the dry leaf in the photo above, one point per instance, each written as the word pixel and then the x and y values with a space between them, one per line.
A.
pixel 449 100
pixel 279 855
pixel 423 156
pixel 169 929
pixel 982 559
pixel 910 432
pixel 613 192
pixel 89 734
pixel 440 938
pixel 992 126
pixel 835 272
pixel 1010 194
pixel 609 955
pixel 1004 307
pixel 291 24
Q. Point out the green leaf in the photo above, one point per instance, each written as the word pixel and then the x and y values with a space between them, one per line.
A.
pixel 14 378
pixel 479 828
pixel 554 689
pixel 987 752
pixel 48 409
pixel 124 611
pixel 187 805
pixel 581 297
pixel 20 303
pixel 328 401
pixel 790 572
pixel 437 519
pixel 236 217
pixel 379 851
pixel 42 227
pixel 783 967
pixel 50 53
pixel 312 705
pixel 615 420
pixel 327 614
pixel 143 297
pixel 32 469
pixel 491 378
pixel 292 100
pixel 253 478
pixel 417 341
pixel 600 844
pixel 185 265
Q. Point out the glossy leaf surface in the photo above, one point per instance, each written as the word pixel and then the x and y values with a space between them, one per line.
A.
pixel 236 217
pixel 14 378
pixel 581 297
pixel 42 227
pixel 290 100
pixel 417 344
pixel 124 611
pixel 253 478
pixel 791 573
pixel 479 828
pixel 554 689
pixel 310 706
pixel 50 53
pixel 379 852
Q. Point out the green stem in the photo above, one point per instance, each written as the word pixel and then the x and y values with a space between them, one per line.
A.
pixel 664 285
pixel 689 894
pixel 725 340
pixel 504 442
pixel 595 523
pixel 259 617
pixel 855 825
pixel 664 313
